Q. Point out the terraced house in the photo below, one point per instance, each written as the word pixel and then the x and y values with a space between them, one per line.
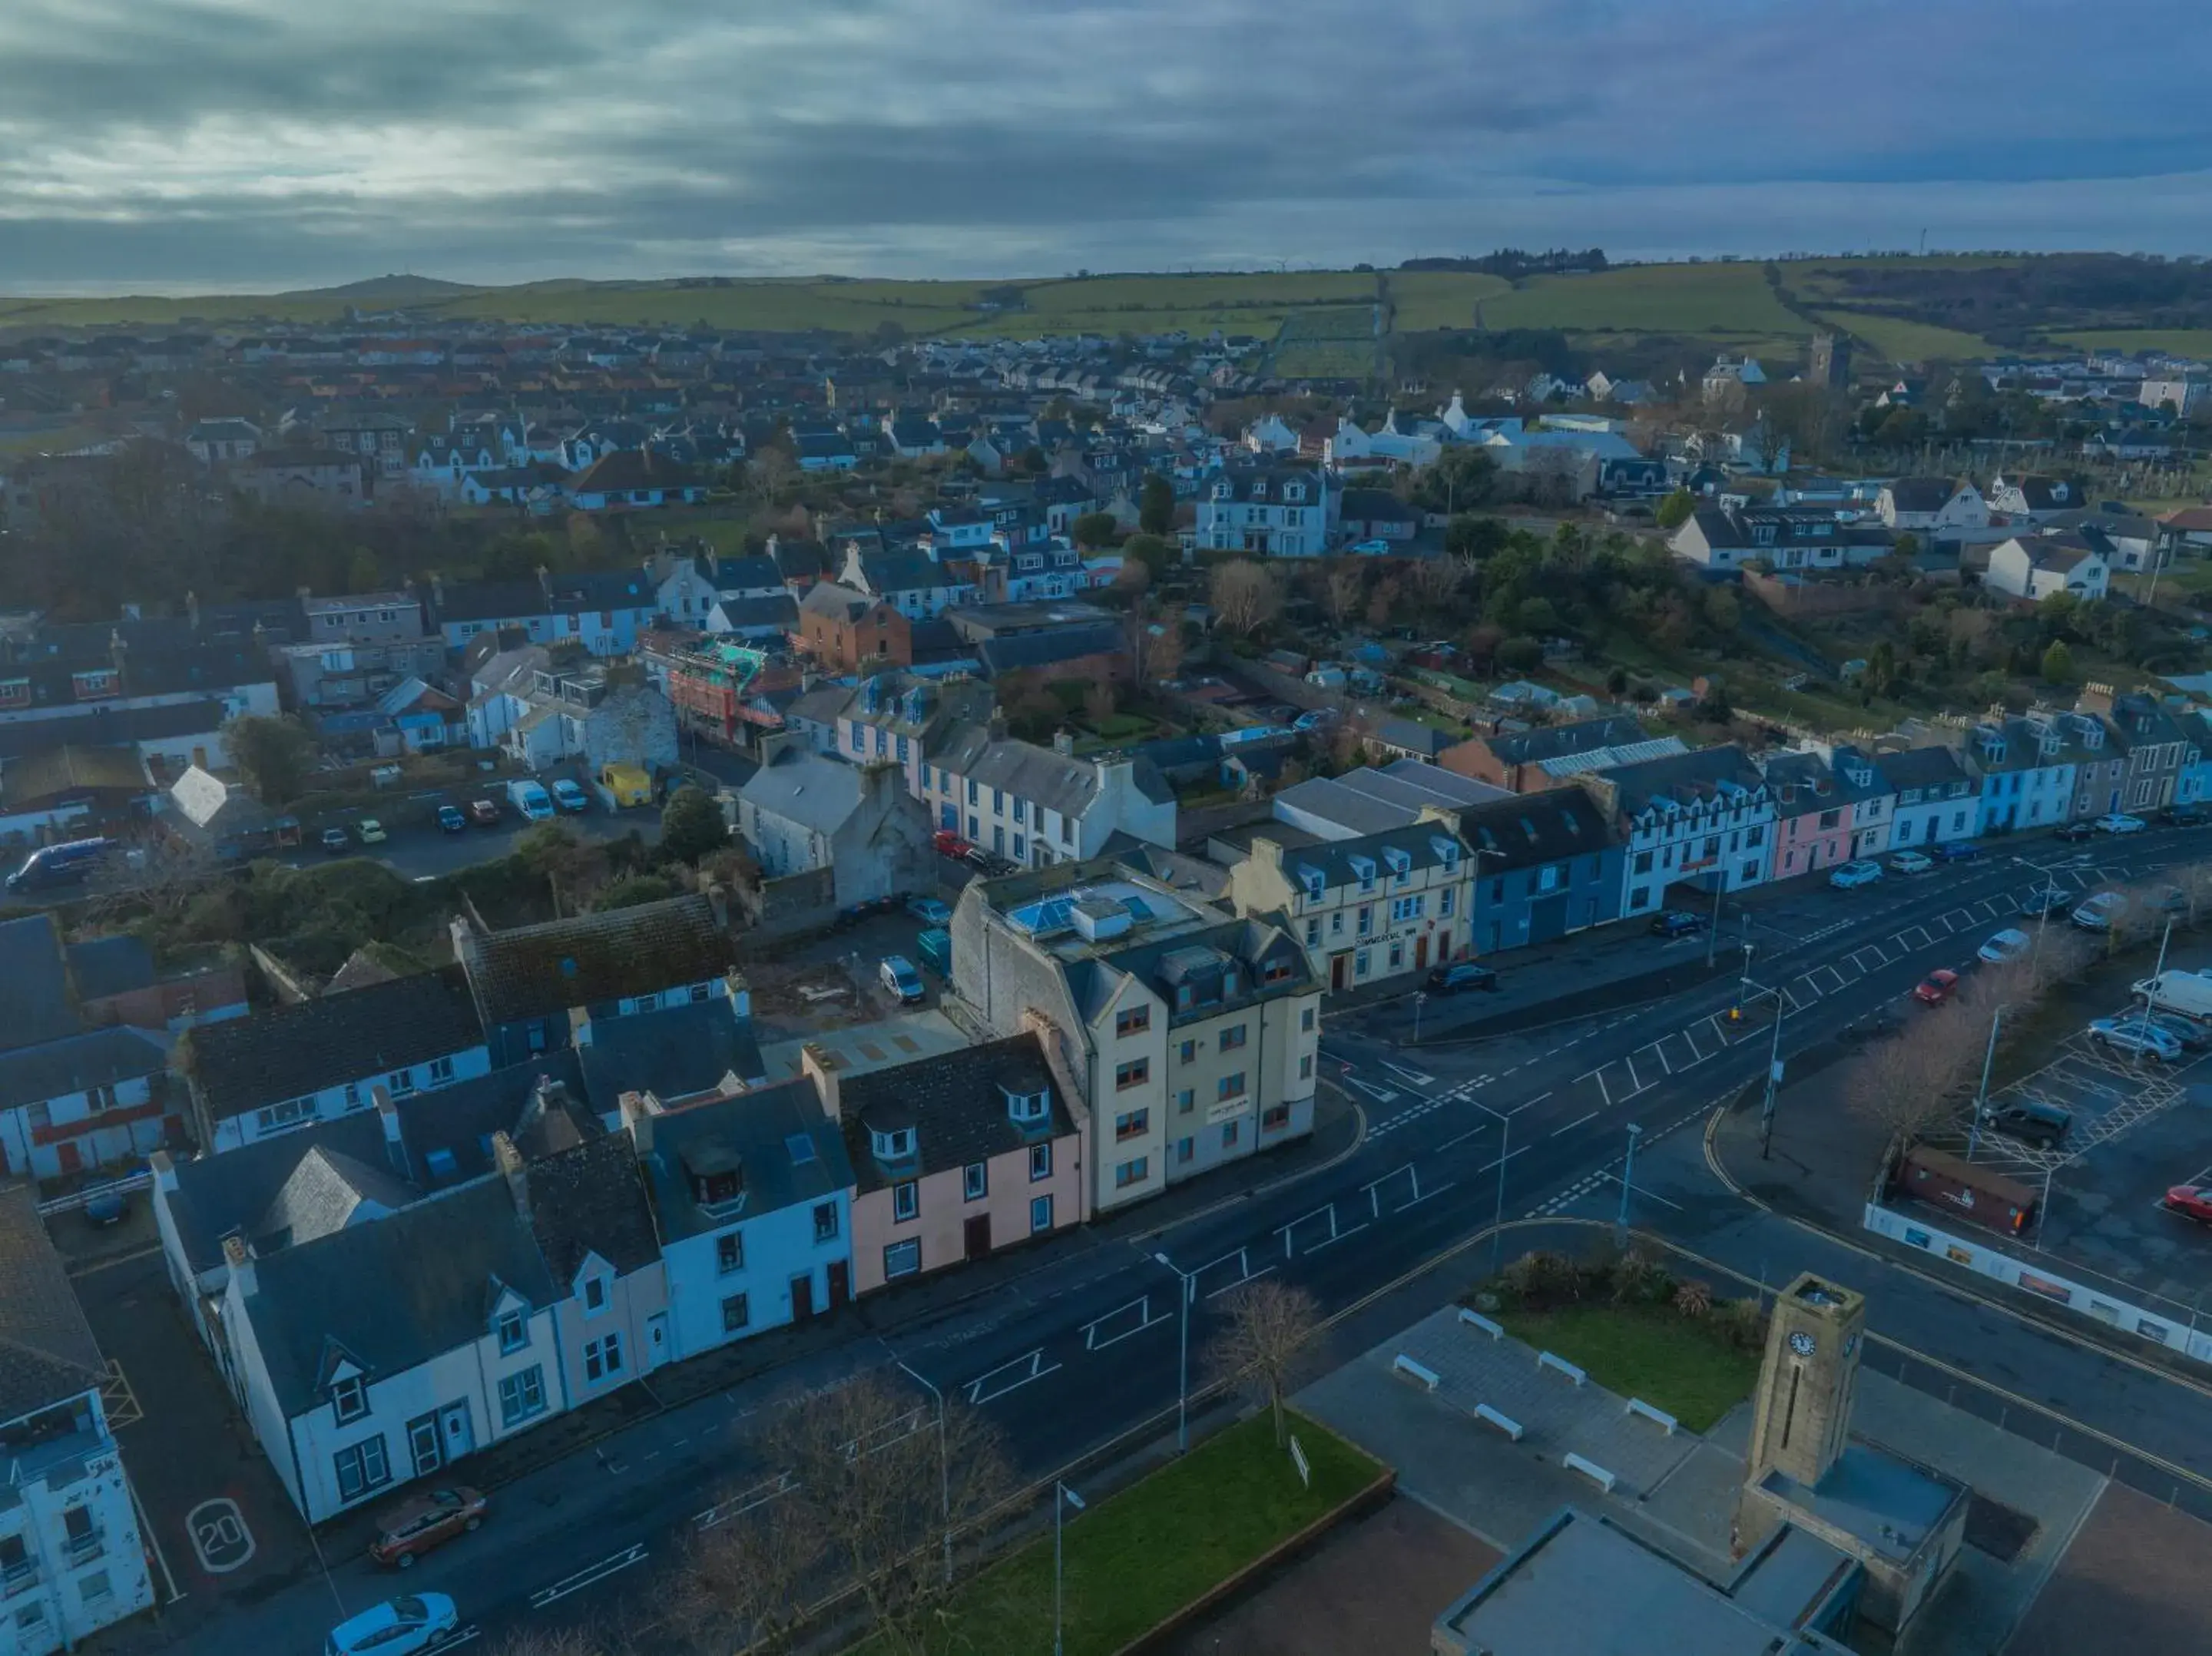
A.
pixel 1936 799
pixel 1040 806
pixel 2026 770
pixel 1190 1035
pixel 1705 818
pixel 1369 911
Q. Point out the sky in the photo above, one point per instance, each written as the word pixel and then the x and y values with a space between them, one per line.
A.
pixel 196 145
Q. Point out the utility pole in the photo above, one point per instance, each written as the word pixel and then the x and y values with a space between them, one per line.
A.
pixel 1185 1286
pixel 944 1466
pixel 1062 1498
pixel 1628 1172
pixel 1713 931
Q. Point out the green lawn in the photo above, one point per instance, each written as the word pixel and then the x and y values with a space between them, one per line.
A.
pixel 1650 1352
pixel 1901 341
pixel 1133 1560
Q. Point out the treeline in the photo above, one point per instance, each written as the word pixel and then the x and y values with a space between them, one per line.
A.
pixel 2011 304
pixel 1514 263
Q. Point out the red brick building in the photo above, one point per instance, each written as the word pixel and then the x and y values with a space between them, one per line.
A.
pixel 840 628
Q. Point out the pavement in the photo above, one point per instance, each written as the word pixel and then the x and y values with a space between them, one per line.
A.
pixel 1077 1353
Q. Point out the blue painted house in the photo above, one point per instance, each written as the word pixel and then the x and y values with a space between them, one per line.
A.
pixel 2026 770
pixel 1545 865
pixel 2194 785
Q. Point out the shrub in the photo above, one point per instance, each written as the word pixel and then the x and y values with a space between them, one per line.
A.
pixel 1742 1323
pixel 1640 1280
pixel 1540 1278
pixel 1693 1299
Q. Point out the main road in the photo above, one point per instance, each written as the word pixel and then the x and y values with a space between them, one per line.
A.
pixel 1528 1127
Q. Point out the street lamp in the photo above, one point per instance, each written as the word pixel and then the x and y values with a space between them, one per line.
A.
pixel 1773 1055
pixel 1982 1092
pixel 1420 999
pixel 944 1465
pixel 1187 1286
pixel 1628 1172
pixel 1062 1498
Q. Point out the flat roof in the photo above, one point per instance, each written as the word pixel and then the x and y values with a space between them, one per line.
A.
pixel 864 1047
pixel 1889 1504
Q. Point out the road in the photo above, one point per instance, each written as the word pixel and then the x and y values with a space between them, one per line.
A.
pixel 1533 1127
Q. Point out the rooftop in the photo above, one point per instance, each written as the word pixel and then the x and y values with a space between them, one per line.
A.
pixel 531 972
pixel 48 1354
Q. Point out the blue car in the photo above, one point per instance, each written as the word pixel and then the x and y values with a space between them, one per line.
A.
pixel 1959 851
pixel 1677 922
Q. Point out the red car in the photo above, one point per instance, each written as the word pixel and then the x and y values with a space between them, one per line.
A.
pixel 948 843
pixel 2192 1201
pixel 429 1519
pixel 484 812
pixel 1936 988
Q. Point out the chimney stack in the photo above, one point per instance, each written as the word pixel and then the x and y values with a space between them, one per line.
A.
pixel 240 1259
pixel 819 1065
pixel 508 1161
pixel 1063 743
pixel 163 1166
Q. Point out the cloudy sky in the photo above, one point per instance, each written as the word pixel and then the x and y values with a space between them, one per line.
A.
pixel 191 144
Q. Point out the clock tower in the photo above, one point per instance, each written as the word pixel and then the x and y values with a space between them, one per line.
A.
pixel 1807 1382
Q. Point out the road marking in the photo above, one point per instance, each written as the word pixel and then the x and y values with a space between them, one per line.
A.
pixel 117 1401
pixel 591 1573
pixel 1635 1083
pixel 1034 1369
pixel 219 1536
pixel 1380 1095
pixel 1577 1122
pixel 1231 1288
pixel 1413 1075
pixel 1142 1306
pixel 746 1500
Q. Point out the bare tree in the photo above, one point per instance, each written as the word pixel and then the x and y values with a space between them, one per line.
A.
pixel 1246 595
pixel 1344 592
pixel 1098 702
pixel 1269 1323
pixel 159 878
pixel 745 1582
pixel 1382 603
pixel 2194 880
pixel 1436 581
pixel 555 1641
pixel 1905 1084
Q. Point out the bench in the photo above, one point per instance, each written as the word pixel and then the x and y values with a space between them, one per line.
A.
pixel 1546 1360
pixel 1504 1423
pixel 1590 1469
pixel 1658 1418
pixel 1476 1320
pixel 1420 1373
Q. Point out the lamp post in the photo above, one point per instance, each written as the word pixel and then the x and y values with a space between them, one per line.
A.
pixel 1773 1056
pixel 1713 931
pixel 1628 1172
pixel 1982 1092
pixel 1062 1498
pixel 1497 1219
pixel 1185 1286
pixel 943 1463
pixel 1420 998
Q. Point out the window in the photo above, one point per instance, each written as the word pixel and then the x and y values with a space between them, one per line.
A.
pixel 1367 922
pixel 902 1259
pixel 1133 1123
pixel 1133 1020
pixel 1274 1117
pixel 513 1330
pixel 975 1181
pixel 906 1201
pixel 1232 1038
pixel 1230 1086
pixel 646 1002
pixel 894 1145
pixel 1305 1068
pixel 1184 1100
pixel 1131 1173
pixel 603 1357
pixel 1444 900
pixel 729 1253
pixel 1336 924
pixel 32 1614
pixel 349 1399
pixel 400 1082
pixel 1397 954
pixel 1135 1073
pixel 825 1222
pixel 1229 1134
pixel 93 1587
pixel 1408 908
pixel 1306 1020
pixel 291 1113
pixel 1313 933
pixel 1039 1162
pixel 1039 1214
pixel 362 1467
pixel 1185 1151
pixel 736 1314
pixel 521 1395
pixel 595 1294
pixel 1029 1107
pixel 1187 1051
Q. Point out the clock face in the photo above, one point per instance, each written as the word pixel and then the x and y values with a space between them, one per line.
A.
pixel 1801 1343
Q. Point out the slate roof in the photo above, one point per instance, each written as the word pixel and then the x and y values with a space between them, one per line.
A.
pixel 840 603
pixel 102 966
pixel 532 970
pixel 1542 742
pixel 1411 735
pixel 1921 494
pixel 393 1294
pixel 1055 781
pixel 48 1354
pixel 489 600
pixel 781 611
pixel 238 1192
pixel 37 1006
pixel 60 772
pixel 817 792
pixel 1923 768
pixel 287 1051
pixel 1376 506
pixel 1367 800
pixel 957 1102
pixel 1683 778
pixel 322 1193
pixel 757 1131
pixel 588 1199
pixel 1535 828
pixel 1162 963
pixel 740 574
pixel 1015 652
pixel 99 1057
pixel 1423 843
pixel 627 469
pixel 891 571
pixel 675 1053
pixel 104 725
pixel 446 1135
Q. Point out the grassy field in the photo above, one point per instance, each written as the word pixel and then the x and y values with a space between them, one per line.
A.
pixel 1650 1352
pixel 2182 342
pixel 1441 299
pixel 1901 341
pixel 1721 301
pixel 1334 342
pixel 1133 1560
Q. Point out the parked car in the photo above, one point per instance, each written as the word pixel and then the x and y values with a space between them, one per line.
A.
pixel 928 910
pixel 2045 899
pixel 626 784
pixel 1862 872
pixel 1937 987
pixel 105 1206
pixel 2191 1202
pixel 2193 1036
pixel 429 1519
pixel 948 843
pixel 2076 831
pixel 1319 719
pixel 2185 816
pixel 334 840
pixel 2029 1121
pixel 63 864
pixel 484 812
pixel 2007 945
pixel 2097 912
pixel 1677 922
pixel 371 831
pixel 1910 862
pixel 2118 822
pixel 2136 1034
pixel 1957 850
pixel 450 820
pixel 990 862
pixel 397 1627
pixel 899 976
pixel 529 797
pixel 1465 975
pixel 569 797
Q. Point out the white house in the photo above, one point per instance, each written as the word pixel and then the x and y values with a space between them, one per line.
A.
pixel 86 1100
pixel 1039 806
pixel 1933 509
pixel 1706 818
pixel 1367 910
pixel 1277 512
pixel 2038 567
pixel 1936 799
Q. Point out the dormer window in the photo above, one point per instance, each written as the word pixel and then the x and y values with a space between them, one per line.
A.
pixel 1447 854
pixel 1224 491
pixel 1313 880
pixel 513 1328
pixel 1400 863
pixel 349 1399
pixel 1027 1109
pixel 894 1145
pixel 1294 492
pixel 1364 867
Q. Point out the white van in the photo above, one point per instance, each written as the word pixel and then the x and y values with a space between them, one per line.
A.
pixel 2189 993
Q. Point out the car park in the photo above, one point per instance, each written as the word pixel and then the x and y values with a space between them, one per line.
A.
pixel 2045 900
pixel 1463 975
pixel 1937 987
pixel 569 797
pixel 897 975
pixel 397 1627
pixel 929 911
pixel 1677 922
pixel 484 812
pixel 2076 831
pixel 2118 822
pixel 2137 1035
pixel 2191 1202
pixel 2007 945
pixel 1957 850
pixel 450 819
pixel 1910 862
pixel 371 831
pixel 2097 912
pixel 2028 1121
pixel 1862 873
pixel 427 1520
pixel 336 840
pixel 2193 1036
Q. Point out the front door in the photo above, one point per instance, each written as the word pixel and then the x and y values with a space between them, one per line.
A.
pixel 656 1339
pixel 1420 953
pixel 66 1155
pixel 802 1297
pixel 460 1433
pixel 979 1236
pixel 1340 965
pixel 841 1286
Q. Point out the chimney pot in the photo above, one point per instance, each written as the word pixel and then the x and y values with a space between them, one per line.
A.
pixel 508 1161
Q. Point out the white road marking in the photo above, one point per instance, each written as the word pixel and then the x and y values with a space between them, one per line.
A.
pixel 591 1573
pixel 1033 1368
pixel 1577 1122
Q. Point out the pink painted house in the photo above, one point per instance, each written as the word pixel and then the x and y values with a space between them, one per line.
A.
pixel 1812 816
pixel 956 1156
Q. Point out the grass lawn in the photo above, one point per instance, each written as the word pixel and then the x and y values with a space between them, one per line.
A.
pixel 1135 1559
pixel 1650 1352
